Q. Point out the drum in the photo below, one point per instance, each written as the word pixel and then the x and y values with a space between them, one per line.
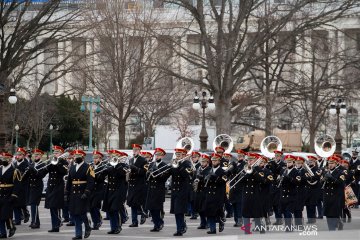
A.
pixel 350 197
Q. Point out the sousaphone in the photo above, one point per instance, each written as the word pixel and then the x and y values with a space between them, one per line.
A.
pixel 269 145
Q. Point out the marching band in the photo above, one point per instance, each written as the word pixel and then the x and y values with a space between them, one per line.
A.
pixel 254 186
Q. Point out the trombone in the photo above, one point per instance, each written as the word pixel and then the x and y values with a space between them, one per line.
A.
pixel 247 170
pixel 55 161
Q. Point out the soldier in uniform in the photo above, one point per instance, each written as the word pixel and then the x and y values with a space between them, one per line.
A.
pixel 266 187
pixel 252 199
pixel 180 190
pixel 115 192
pixel 35 187
pixel 312 189
pixel 276 166
pixel 195 156
pixel 288 182
pixel 65 210
pixel 54 197
pixel 354 163
pixel 334 183
pixel 137 188
pixel 97 195
pixel 79 186
pixel 20 209
pixel 349 175
pixel 199 189
pixel 215 190
pixel 235 194
pixel 10 178
pixel 300 191
pixel 147 155
pixel 156 189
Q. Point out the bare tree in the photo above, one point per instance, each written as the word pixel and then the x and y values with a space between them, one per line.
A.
pixel 227 53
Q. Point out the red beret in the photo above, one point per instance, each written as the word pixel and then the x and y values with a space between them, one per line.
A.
pixel 136 146
pixel 98 153
pixel 345 162
pixel 227 155
pixel 333 158
pixel 123 154
pixel 313 158
pixel 277 151
pixel 38 151
pixel 21 150
pixel 180 150
pixel 6 155
pixel 146 154
pixel 215 156
pixel 299 158
pixel 289 158
pixel 114 151
pixel 253 155
pixel 265 158
pixel 159 150
pixel 79 152
pixel 218 148
pixel 205 156
pixel 194 153
pixel 58 148
pixel 240 151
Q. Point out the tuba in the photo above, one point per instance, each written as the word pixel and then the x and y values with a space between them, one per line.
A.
pixel 225 141
pixel 185 143
pixel 269 145
pixel 325 146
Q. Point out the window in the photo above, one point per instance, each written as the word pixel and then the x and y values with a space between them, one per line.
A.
pixel 285 119
pixel 50 60
pixel 352 120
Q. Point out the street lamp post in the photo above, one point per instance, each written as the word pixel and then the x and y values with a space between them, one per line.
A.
pixel 203 104
pixel 51 128
pixel 91 101
pixel 339 108
pixel 16 136
pixel 12 100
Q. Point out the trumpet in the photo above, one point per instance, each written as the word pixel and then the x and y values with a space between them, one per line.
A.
pixel 196 184
pixel 55 161
pixel 286 172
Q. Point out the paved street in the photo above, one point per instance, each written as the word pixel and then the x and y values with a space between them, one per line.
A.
pixel 351 230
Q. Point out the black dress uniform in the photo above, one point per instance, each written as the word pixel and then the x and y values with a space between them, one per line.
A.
pixel 265 188
pixel 54 196
pixel 354 164
pixel 200 193
pixel 156 194
pixel 137 188
pixel 80 184
pixel 312 192
pixel 115 195
pixel 191 209
pixel 215 191
pixel 36 187
pixel 97 195
pixel 20 207
pixel 300 196
pixel 180 194
pixel 236 192
pixel 288 185
pixel 333 197
pixel 10 188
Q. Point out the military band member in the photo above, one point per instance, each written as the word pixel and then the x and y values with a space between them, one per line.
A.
pixel 147 155
pixel 276 166
pixel 97 194
pixel 333 193
pixel 180 190
pixel 199 189
pixel 54 197
pixel 312 189
pixel 67 217
pixel 195 156
pixel 354 163
pixel 215 190
pixel 80 184
pixel 20 209
pixel 35 187
pixel 156 189
pixel 236 193
pixel 266 187
pixel 349 175
pixel 300 191
pixel 137 188
pixel 10 178
pixel 288 181
pixel 252 199
pixel 115 192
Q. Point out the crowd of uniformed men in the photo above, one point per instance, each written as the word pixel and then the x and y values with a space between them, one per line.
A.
pixel 204 186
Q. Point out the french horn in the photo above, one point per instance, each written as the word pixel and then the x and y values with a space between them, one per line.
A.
pixel 225 141
pixel 270 144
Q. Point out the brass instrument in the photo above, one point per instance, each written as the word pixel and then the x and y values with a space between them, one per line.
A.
pixel 269 145
pixel 286 172
pixel 55 161
pixel 247 170
pixel 196 184
pixel 325 147
pixel 225 141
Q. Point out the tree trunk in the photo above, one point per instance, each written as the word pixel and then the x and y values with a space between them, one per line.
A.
pixel 223 114
pixel 268 115
pixel 121 131
pixel 312 132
